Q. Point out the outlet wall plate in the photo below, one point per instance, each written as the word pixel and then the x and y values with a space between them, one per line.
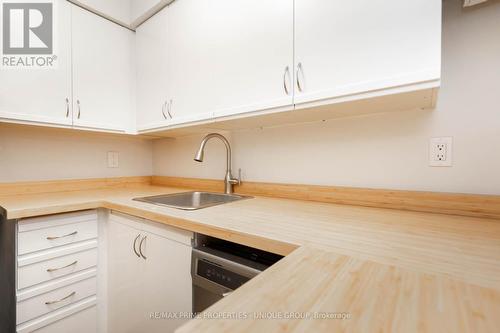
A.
pixel 441 152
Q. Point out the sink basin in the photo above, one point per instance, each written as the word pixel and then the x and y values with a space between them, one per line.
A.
pixel 192 200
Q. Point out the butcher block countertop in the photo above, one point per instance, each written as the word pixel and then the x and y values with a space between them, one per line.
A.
pixel 347 268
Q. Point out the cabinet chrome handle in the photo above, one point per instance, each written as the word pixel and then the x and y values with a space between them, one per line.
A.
pixel 135 241
pixel 285 86
pixel 62 299
pixel 140 247
pixel 299 71
pixel 227 294
pixel 79 108
pixel 163 109
pixel 57 237
pixel 67 107
pixel 50 270
pixel 169 108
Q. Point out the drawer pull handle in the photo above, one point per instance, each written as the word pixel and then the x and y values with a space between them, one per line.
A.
pixel 50 270
pixel 62 299
pixel 57 237
pixel 140 247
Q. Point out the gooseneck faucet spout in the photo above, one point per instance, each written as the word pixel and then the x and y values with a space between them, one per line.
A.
pixel 229 181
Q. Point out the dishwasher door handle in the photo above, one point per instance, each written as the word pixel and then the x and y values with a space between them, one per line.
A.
pixel 224 263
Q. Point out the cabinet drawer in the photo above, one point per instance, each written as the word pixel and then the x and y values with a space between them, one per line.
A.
pixel 51 231
pixel 39 272
pixel 82 322
pixel 80 317
pixel 36 306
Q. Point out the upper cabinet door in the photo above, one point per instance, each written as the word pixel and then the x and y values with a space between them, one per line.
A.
pixel 42 95
pixel 349 47
pixel 152 75
pixel 103 73
pixel 229 57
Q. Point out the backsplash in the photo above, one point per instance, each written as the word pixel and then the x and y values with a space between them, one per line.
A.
pixel 37 153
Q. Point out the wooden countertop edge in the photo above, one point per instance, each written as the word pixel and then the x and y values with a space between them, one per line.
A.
pixel 53 209
pixel 264 243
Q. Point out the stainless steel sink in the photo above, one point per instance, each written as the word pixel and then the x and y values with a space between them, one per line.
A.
pixel 192 200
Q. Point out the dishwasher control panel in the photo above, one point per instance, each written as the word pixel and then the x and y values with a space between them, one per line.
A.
pixel 220 275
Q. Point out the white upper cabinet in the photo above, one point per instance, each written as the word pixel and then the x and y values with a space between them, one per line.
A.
pixel 152 54
pixel 250 55
pixel 41 95
pixel 189 68
pixel 351 47
pixel 201 61
pixel 103 73
pixel 229 57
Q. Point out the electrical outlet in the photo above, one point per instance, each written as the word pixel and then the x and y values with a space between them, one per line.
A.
pixel 440 151
pixel 113 159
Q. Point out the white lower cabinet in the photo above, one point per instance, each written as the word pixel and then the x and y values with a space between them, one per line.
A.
pixel 149 279
pixel 101 272
pixel 57 265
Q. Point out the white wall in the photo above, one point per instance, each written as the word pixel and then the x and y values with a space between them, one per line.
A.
pixel 386 150
pixel 37 153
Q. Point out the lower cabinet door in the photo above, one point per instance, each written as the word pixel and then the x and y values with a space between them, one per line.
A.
pixel 124 279
pixel 167 290
pixel 149 286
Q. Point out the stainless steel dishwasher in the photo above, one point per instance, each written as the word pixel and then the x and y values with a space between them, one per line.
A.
pixel 218 267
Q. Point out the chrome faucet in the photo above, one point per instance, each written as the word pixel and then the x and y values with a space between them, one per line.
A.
pixel 229 181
